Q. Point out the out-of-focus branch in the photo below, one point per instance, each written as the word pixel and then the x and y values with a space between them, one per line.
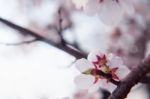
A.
pixel 19 43
pixel 77 54
pixel 132 79
pixel 60 20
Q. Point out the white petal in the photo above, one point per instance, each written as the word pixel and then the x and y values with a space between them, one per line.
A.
pixel 127 6
pixel 107 85
pixel 91 7
pixel 82 65
pixel 95 87
pixel 114 61
pixel 102 83
pixel 122 72
pixel 110 12
pixel 92 56
pixel 84 81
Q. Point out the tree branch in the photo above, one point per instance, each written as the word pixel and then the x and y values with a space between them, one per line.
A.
pixel 77 54
pixel 132 79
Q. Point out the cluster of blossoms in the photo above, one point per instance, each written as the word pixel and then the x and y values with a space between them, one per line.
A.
pixel 90 78
pixel 109 11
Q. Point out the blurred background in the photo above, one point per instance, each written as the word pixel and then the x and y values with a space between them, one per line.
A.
pixel 33 69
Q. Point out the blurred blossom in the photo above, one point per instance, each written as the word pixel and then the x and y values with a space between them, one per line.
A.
pixel 109 11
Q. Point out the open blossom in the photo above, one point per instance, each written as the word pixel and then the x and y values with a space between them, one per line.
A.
pixel 90 78
pixel 109 11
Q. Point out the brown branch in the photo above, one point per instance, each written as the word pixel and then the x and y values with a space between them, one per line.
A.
pixel 77 54
pixel 132 79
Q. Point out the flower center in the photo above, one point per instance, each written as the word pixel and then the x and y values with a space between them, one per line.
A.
pixel 105 69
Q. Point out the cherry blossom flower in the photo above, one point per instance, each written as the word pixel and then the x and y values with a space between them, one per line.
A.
pixel 109 11
pixel 90 78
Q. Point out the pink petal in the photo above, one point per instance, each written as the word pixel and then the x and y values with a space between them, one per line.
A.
pixel 82 65
pixel 84 81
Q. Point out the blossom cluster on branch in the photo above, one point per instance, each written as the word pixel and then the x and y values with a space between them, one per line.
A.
pixel 100 70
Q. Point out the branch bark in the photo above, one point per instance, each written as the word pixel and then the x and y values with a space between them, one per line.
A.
pixel 132 79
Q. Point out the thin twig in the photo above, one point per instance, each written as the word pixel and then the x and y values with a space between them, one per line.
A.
pixel 60 30
pixel 19 43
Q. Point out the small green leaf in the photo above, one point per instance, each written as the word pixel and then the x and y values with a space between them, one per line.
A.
pixel 87 72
